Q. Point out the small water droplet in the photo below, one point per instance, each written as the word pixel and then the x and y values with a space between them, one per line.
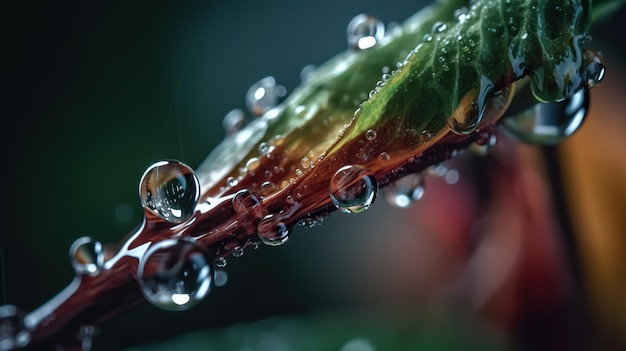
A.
pixel 267 188
pixel 234 121
pixel 305 162
pixel 461 14
pixel 386 77
pixel 12 332
pixel 307 72
pixel 264 95
pixel 246 201
pixel 170 190
pixel 405 191
pixel 221 277
pixel 364 32
pixel 272 231
pixel 232 181
pixel 438 27
pixel 370 134
pixel 452 176
pixel 384 156
pixel 298 172
pixel 174 274
pixel 428 38
pixel 86 256
pixel 220 262
pixel 595 68
pixel 353 189
pixel 238 251
pixel 549 123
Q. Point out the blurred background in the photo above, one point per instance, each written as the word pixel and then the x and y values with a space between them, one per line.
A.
pixel 525 251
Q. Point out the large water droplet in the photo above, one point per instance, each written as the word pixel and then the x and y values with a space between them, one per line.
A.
pixel 264 95
pixel 353 189
pixel 272 231
pixel 549 123
pixel 175 275
pixel 405 191
pixel 364 32
pixel 87 256
pixel 170 189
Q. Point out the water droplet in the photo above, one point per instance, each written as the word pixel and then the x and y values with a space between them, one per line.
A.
pixel 246 201
pixel 170 190
pixel 384 156
pixel 470 111
pixel 307 72
pixel 306 162
pixel 220 262
pixel 452 176
pixel 428 37
pixel 12 332
pixel 267 188
pixel 234 121
pixel 353 189
pixel 370 134
pixel 595 68
pixel 549 123
pixel 364 32
pixel 438 27
pixel 221 278
pixel 272 231
pixel 86 256
pixel 264 95
pixel 461 14
pixel 232 181
pixel 405 191
pixel 238 251
pixel 174 274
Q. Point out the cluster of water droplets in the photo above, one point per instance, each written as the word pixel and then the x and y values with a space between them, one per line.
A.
pixel 13 333
pixel 550 123
pixel 261 97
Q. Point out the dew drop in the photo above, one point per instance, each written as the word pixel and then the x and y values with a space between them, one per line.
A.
pixel 232 181
pixel 438 27
pixel 428 38
pixel 234 121
pixel 220 262
pixel 170 190
pixel 549 123
pixel 264 95
pixel 174 274
pixel 353 189
pixel 305 162
pixel 405 191
pixel 595 68
pixel 364 32
pixel 246 201
pixel 267 188
pixel 370 134
pixel 238 251
pixel 86 256
pixel 221 278
pixel 12 332
pixel 384 156
pixel 307 72
pixel 272 231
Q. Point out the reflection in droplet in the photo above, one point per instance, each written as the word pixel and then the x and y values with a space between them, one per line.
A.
pixel 174 274
pixel 595 68
pixel 549 123
pixel 353 189
pixel 170 190
pixel 405 191
pixel 364 32
pixel 221 278
pixel 238 251
pixel 272 231
pixel 86 256
pixel 264 95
